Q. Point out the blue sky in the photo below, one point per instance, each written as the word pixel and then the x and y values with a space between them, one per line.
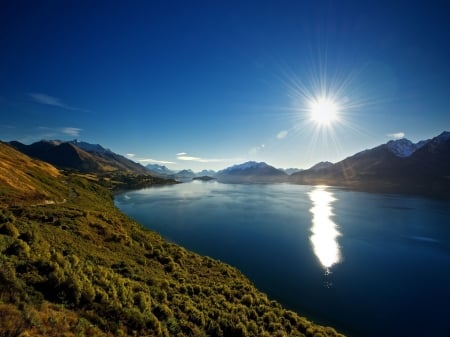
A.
pixel 208 84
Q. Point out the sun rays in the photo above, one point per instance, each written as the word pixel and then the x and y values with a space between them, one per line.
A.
pixel 324 107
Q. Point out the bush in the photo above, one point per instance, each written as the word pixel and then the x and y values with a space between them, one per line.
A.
pixel 9 229
pixel 18 248
pixel 12 322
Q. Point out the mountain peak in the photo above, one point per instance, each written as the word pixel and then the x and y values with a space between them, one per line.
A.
pixel 401 147
pixel 444 136
pixel 247 165
pixel 251 172
pixel 404 147
pixel 159 169
pixel 321 165
pixel 89 147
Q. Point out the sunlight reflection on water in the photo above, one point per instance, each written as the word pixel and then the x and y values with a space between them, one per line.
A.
pixel 324 230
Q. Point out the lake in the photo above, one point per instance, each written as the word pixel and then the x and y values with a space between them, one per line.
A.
pixel 367 264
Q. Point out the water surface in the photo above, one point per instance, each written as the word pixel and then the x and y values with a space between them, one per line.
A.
pixel 368 264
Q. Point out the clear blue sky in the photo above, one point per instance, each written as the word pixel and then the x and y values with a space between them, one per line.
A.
pixel 207 84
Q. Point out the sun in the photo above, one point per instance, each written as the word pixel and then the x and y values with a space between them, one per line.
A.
pixel 323 111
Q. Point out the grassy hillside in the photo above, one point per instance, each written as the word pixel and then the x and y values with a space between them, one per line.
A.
pixel 71 264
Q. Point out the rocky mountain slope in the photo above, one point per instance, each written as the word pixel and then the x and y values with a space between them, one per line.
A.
pixel 79 156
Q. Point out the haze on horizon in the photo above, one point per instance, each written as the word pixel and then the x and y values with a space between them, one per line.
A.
pixel 206 85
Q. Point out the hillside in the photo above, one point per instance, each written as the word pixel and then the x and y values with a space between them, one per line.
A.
pixel 73 265
pixel 80 156
pixel 251 172
pixel 25 180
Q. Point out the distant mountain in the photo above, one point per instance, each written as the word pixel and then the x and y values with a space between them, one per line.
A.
pixel 93 148
pixel 159 169
pixel 184 175
pixel 291 170
pixel 251 172
pixel 210 173
pixel 404 147
pixel 321 165
pixel 79 156
pixel 397 166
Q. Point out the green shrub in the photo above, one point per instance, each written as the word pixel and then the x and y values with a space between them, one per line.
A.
pixel 18 248
pixel 9 229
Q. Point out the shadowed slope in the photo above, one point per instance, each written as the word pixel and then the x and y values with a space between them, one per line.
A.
pixel 426 170
pixel 24 180
pixel 70 155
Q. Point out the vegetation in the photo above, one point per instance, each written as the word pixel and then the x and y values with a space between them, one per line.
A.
pixel 71 264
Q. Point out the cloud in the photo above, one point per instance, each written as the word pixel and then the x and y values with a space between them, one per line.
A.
pixel 183 156
pixel 74 132
pixel 53 101
pixel 130 155
pixel 155 161
pixel 257 149
pixel 56 132
pixel 396 135
pixel 282 134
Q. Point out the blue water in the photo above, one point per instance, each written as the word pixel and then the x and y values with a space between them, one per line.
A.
pixel 368 264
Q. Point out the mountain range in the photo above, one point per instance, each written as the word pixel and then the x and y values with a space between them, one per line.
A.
pixel 80 156
pixel 397 166
pixel 251 172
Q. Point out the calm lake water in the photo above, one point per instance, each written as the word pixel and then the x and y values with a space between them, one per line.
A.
pixel 368 264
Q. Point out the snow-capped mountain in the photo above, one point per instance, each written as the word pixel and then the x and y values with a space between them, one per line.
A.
pixel 250 165
pixel 404 147
pixel 159 169
pixel 90 147
pixel 251 172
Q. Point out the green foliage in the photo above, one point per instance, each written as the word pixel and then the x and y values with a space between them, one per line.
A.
pixel 9 229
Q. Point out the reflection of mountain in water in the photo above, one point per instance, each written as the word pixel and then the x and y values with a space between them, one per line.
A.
pixel 324 230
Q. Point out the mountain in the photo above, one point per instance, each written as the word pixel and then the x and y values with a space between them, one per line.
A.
pixel 159 169
pixel 80 156
pixel 210 173
pixel 251 172
pixel 398 166
pixel 184 175
pixel 321 165
pixel 404 147
pixel 24 180
pixel 93 148
pixel 72 264
pixel 291 170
